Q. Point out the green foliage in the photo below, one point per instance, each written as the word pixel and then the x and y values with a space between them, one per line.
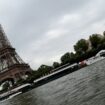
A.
pixel 56 64
pixel 65 58
pixel 103 41
pixel 104 33
pixel 42 70
pixel 20 81
pixel 81 46
pixel 68 58
pixel 6 86
pixel 95 40
pixel 72 58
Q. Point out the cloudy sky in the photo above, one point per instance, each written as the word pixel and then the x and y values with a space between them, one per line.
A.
pixel 43 30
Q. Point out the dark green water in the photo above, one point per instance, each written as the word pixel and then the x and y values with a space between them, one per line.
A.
pixel 83 87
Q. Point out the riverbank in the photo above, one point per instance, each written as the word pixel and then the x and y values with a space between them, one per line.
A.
pixel 39 82
pixel 84 86
pixel 46 79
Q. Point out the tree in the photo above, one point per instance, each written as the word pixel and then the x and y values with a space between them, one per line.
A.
pixel 102 44
pixel 72 57
pixel 6 86
pixel 44 69
pixel 81 46
pixel 20 81
pixel 56 64
pixel 95 40
pixel 104 33
pixel 65 58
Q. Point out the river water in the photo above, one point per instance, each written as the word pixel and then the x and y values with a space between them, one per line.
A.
pixel 83 87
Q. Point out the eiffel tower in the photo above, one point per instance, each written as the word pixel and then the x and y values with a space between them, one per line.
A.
pixel 12 67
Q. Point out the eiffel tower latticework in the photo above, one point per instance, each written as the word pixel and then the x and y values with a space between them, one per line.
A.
pixel 11 65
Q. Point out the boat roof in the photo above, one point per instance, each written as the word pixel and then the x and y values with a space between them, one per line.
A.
pixel 102 51
pixel 22 86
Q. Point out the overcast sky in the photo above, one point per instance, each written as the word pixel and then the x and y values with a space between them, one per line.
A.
pixel 43 30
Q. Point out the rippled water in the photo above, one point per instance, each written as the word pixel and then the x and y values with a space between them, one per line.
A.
pixel 83 87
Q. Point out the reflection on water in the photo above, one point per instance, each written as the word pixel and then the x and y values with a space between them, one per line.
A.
pixel 83 87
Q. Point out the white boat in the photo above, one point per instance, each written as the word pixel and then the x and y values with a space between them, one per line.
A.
pixel 14 92
pixel 101 53
pixel 56 72
pixel 13 95
pixel 21 87
pixel 99 56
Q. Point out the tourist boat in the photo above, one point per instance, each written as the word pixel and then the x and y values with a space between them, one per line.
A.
pixel 99 56
pixel 57 72
pixel 16 91
pixel 13 95
pixel 22 88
